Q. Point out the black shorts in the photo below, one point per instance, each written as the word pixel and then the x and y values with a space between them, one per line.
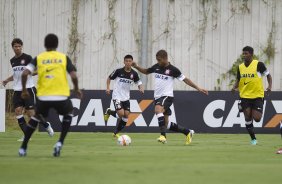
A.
pixel 256 104
pixel 63 107
pixel 122 105
pixel 29 103
pixel 166 102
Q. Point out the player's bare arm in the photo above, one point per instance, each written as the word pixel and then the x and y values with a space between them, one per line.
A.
pixel 25 94
pixel 9 79
pixel 108 91
pixel 235 87
pixel 190 83
pixel 74 80
pixel 140 69
pixel 269 81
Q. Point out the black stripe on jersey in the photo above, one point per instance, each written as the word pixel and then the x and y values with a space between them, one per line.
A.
pixel 170 70
pixel 23 60
pixel 126 77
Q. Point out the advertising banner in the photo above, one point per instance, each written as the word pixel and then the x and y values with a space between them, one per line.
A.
pixel 215 113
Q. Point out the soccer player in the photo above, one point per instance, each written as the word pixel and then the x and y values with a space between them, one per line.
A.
pixel 251 91
pixel 18 63
pixel 124 78
pixel 164 75
pixel 53 90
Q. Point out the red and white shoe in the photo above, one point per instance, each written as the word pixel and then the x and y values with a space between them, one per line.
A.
pixel 279 151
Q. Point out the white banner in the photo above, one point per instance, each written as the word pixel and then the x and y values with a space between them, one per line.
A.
pixel 2 109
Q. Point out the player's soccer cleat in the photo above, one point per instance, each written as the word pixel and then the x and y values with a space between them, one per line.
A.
pixel 189 137
pixel 50 130
pixel 254 142
pixel 107 114
pixel 162 139
pixel 57 149
pixel 21 139
pixel 116 136
pixel 279 151
pixel 22 152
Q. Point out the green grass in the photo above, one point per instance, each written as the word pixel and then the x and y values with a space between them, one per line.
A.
pixel 96 158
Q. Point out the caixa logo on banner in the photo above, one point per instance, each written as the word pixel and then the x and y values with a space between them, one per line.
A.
pixel 215 115
pixel 93 113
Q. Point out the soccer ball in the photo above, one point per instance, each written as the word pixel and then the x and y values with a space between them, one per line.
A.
pixel 124 140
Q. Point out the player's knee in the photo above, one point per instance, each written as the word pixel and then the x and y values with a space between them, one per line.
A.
pixel 257 119
pixel 67 118
pixel 30 113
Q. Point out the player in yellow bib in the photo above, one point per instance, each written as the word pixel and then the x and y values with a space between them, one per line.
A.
pixel 52 90
pixel 251 91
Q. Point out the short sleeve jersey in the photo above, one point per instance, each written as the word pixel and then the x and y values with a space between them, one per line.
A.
pixel 19 64
pixel 164 79
pixel 123 82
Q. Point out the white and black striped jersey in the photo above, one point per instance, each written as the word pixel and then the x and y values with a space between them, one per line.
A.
pixel 19 64
pixel 164 79
pixel 123 82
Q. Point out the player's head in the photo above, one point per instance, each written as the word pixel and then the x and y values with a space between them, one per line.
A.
pixel 161 57
pixel 17 45
pixel 128 59
pixel 247 53
pixel 51 41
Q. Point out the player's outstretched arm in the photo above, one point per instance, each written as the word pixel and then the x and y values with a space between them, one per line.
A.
pixel 9 79
pixel 25 94
pixel 235 87
pixel 74 80
pixel 108 91
pixel 269 81
pixel 140 69
pixel 190 83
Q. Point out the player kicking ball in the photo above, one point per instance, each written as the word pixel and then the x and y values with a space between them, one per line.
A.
pixel 164 75
pixel 124 78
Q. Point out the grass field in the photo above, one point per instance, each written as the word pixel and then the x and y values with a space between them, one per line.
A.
pixel 96 158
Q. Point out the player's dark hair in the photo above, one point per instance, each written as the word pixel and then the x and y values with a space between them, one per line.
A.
pixel 162 54
pixel 249 49
pixel 51 41
pixel 128 57
pixel 18 41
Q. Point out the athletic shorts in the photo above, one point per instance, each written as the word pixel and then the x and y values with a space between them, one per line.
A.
pixel 166 102
pixel 122 105
pixel 29 103
pixel 63 107
pixel 256 104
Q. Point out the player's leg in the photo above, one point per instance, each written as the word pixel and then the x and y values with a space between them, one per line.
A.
pixel 159 110
pixel 249 124
pixel 18 105
pixel 176 127
pixel 29 106
pixel 41 112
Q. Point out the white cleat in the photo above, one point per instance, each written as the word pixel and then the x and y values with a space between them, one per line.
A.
pixel 21 139
pixel 22 152
pixel 57 149
pixel 50 130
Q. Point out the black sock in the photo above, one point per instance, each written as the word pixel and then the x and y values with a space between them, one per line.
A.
pixel 22 122
pixel 113 113
pixel 250 129
pixel 30 128
pixel 177 128
pixel 161 122
pixel 45 124
pixel 121 124
pixel 65 127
